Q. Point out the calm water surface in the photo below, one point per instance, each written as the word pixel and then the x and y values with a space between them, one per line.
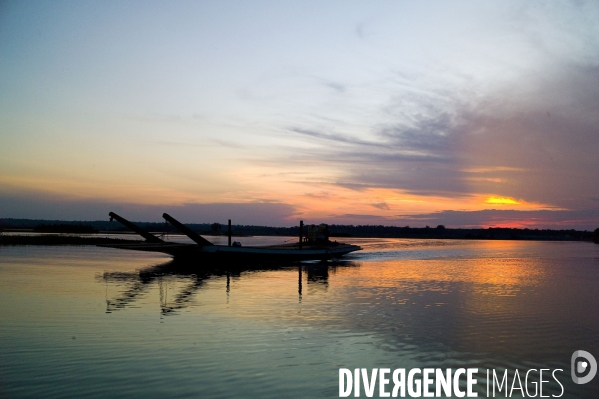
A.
pixel 95 322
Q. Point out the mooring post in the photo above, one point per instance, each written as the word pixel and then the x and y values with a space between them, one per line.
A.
pixel 229 232
pixel 299 282
pixel 301 233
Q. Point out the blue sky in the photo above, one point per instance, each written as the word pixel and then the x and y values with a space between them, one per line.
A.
pixel 344 112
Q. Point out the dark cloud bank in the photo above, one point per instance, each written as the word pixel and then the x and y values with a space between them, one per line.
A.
pixel 282 215
pixel 253 213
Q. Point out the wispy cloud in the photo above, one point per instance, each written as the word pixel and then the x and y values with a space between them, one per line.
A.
pixel 340 138
pixel 381 205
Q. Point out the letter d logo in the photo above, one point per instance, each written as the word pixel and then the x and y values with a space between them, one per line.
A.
pixel 581 367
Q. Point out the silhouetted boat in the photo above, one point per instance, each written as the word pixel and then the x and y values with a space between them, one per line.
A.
pixel 205 250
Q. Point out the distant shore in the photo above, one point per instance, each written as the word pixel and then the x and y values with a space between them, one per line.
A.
pixel 99 238
pixel 82 232
pixel 50 239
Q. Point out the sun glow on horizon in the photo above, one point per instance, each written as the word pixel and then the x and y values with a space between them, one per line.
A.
pixel 502 201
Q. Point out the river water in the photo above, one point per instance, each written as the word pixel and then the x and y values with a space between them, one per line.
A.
pixel 90 322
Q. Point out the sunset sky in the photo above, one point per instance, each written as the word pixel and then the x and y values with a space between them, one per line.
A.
pixel 462 113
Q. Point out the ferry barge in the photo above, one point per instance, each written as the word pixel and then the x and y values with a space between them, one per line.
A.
pixel 306 248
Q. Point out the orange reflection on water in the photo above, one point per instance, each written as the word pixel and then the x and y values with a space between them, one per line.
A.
pixel 489 276
pixel 494 267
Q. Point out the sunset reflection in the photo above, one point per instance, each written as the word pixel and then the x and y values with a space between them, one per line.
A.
pixel 492 276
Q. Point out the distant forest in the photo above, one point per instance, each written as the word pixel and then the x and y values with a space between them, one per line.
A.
pixel 374 231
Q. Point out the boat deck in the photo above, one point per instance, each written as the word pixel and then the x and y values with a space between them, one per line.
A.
pixel 271 252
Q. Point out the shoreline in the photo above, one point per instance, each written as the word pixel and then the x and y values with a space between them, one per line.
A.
pixel 53 240
pixel 63 239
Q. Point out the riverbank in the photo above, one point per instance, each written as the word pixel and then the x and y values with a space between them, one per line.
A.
pixel 57 239
pixel 338 231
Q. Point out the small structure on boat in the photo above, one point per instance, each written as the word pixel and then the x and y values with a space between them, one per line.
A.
pixel 315 245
